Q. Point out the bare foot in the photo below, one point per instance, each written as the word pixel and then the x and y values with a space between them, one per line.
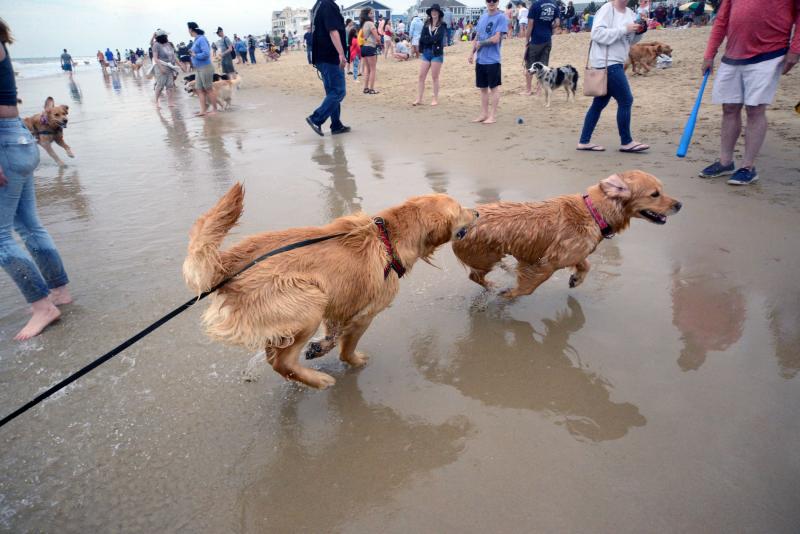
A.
pixel 44 313
pixel 200 114
pixel 490 120
pixel 415 103
pixel 60 295
pixel 214 112
pixel 525 93
pixel 479 119
pixel 434 102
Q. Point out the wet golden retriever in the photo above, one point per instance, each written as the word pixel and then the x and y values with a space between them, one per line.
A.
pixel 48 127
pixel 561 232
pixel 344 282
pixel 645 55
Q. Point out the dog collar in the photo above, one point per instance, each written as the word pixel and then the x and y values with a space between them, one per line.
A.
pixel 394 262
pixel 605 228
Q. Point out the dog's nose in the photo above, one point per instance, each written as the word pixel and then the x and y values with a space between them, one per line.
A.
pixel 677 206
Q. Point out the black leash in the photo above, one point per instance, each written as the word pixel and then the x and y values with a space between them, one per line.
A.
pixel 130 341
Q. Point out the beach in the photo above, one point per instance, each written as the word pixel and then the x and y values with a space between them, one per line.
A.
pixel 659 396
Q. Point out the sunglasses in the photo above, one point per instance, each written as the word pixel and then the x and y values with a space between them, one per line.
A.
pixel 492 1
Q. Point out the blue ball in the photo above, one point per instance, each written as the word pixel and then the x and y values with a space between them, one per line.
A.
pixel 519 120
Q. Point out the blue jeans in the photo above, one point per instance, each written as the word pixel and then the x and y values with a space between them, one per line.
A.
pixel 355 63
pixel 252 51
pixel 333 80
pixel 308 55
pixel 19 156
pixel 619 89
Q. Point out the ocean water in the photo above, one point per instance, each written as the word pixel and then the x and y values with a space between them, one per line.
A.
pixel 39 67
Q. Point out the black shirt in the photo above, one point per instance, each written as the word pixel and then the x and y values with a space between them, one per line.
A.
pixel 327 18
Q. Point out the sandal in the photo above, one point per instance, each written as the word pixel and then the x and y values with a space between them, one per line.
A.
pixel 591 148
pixel 638 147
pixel 373 92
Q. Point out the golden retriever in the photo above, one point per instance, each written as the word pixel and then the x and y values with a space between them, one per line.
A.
pixel 561 232
pixel 222 88
pixel 644 55
pixel 344 282
pixel 48 126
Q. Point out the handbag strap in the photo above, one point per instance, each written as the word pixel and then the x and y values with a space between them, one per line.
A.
pixel 588 54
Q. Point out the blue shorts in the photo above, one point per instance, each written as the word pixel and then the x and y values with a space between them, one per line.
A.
pixel 66 67
pixel 427 55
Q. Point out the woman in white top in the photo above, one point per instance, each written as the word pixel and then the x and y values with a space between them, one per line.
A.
pixel 613 32
pixel 522 17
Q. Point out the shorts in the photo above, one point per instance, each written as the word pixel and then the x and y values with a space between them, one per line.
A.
pixel 204 78
pixel 751 85
pixel 488 75
pixel 427 55
pixel 368 51
pixel 227 64
pixel 415 41
pixel 67 67
pixel 537 53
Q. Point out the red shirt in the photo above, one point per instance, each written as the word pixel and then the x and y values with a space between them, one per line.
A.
pixel 355 50
pixel 755 27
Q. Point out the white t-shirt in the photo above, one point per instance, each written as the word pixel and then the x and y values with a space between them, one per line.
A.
pixel 609 32
pixel 523 15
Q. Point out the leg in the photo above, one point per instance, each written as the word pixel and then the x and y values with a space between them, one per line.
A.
pixel 495 100
pixel 547 93
pixel 47 145
pixel 317 349
pixel 484 105
pixel 436 68
pixel 351 334
pixel 212 96
pixel 424 67
pixel 528 81
pixel 286 362
pixel 592 116
pixel 373 63
pixel 754 133
pixel 201 93
pixel 581 270
pixel 529 277
pixel 619 89
pixel 59 139
pixel 730 131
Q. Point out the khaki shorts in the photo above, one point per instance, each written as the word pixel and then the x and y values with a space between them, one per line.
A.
pixel 204 78
pixel 751 85
pixel 537 53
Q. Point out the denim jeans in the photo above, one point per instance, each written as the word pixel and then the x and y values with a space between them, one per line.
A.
pixel 333 80
pixel 308 56
pixel 19 156
pixel 252 51
pixel 356 62
pixel 619 89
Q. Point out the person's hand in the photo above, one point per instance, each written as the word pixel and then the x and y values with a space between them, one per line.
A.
pixel 342 61
pixel 632 27
pixel 471 58
pixel 790 61
pixel 708 65
pixel 3 179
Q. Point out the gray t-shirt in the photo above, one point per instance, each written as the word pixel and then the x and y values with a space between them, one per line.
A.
pixel 164 52
pixel 66 59
pixel 223 45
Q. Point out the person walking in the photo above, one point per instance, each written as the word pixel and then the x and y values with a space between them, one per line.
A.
pixel 241 48
pixel 369 50
pixel 492 26
pixel 613 31
pixel 164 56
pixel 329 59
pixel 757 52
pixel 251 48
pixel 227 53
pixel 67 63
pixel 110 58
pixel 308 39
pixel 522 17
pixel 204 70
pixel 40 276
pixel 432 43
pixel 542 18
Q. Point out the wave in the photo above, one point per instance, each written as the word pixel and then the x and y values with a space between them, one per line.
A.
pixel 40 67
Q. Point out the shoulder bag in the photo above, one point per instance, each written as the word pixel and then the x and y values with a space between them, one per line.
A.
pixel 595 81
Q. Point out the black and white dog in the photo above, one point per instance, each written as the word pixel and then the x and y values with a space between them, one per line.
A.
pixel 552 79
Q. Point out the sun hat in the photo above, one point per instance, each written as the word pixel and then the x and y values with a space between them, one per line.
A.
pixel 160 32
pixel 437 8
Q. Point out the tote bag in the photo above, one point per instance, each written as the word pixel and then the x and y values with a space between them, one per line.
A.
pixel 595 81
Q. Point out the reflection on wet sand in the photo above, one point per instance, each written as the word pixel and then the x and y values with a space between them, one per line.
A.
pixel 177 137
pixel 342 197
pixel 334 462
pixel 64 189
pixel 485 195
pixel 709 313
pixel 784 323
pixel 505 362
pixel 376 163
pixel 437 179
pixel 219 157
pixel 75 91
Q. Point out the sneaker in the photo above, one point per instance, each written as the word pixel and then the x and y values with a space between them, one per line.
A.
pixel 744 176
pixel 717 169
pixel 340 130
pixel 317 129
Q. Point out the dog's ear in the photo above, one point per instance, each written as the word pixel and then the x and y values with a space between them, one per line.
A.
pixel 49 103
pixel 66 108
pixel 615 187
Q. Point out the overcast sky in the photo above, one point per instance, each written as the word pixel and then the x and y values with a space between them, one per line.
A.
pixel 43 27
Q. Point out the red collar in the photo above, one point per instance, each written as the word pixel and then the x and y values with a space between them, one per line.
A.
pixel 605 228
pixel 394 261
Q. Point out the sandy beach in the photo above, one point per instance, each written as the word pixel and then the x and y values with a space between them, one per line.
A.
pixel 660 396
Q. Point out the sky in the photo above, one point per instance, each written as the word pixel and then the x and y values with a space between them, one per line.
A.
pixel 42 28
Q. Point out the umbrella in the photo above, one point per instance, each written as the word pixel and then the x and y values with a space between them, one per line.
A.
pixel 691 6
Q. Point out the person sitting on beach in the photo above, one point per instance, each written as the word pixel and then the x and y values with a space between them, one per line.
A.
pixel 402 50
pixel 204 76
pixel 432 43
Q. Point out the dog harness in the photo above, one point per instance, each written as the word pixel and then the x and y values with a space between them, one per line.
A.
pixel 43 122
pixel 394 263
pixel 605 228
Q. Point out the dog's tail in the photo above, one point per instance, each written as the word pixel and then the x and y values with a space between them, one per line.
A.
pixel 575 77
pixel 203 267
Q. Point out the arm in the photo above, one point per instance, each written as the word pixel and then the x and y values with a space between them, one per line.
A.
pixel 794 48
pixel 203 52
pixel 601 32
pixel 337 44
pixel 718 32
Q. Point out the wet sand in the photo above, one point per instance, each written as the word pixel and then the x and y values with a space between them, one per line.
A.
pixel 659 396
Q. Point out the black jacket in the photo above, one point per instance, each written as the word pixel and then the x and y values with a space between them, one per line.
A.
pixel 433 41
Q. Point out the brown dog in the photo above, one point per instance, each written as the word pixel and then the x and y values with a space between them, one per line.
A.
pixel 561 232
pixel 48 126
pixel 644 55
pixel 345 282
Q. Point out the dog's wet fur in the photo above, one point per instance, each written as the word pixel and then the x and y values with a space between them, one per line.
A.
pixel 48 127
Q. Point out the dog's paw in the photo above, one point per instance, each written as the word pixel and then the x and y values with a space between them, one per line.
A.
pixel 320 380
pixel 254 368
pixel 358 359
pixel 573 281
pixel 508 293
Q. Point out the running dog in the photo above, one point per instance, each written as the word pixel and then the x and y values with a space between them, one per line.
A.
pixel 553 78
pixel 48 126
pixel 343 282
pixel 561 232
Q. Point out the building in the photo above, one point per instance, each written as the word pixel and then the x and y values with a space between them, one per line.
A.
pixel 421 6
pixel 354 11
pixel 290 20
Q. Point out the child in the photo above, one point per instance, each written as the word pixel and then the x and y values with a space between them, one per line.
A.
pixel 355 51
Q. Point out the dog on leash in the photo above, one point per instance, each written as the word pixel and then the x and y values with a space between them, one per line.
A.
pixel 48 127
pixel 343 282
pixel 222 87
pixel 561 232
pixel 553 78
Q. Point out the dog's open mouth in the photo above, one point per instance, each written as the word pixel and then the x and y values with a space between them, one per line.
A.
pixel 654 217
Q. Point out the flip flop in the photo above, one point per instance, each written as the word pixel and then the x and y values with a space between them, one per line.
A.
pixel 638 147
pixel 591 148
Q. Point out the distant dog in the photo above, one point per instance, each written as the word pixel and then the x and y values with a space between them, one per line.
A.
pixel 643 56
pixel 553 78
pixel 560 232
pixel 48 126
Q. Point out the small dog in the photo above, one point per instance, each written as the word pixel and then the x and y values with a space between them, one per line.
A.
pixel 48 126
pixel 343 282
pixel 553 78
pixel 561 232
pixel 643 56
